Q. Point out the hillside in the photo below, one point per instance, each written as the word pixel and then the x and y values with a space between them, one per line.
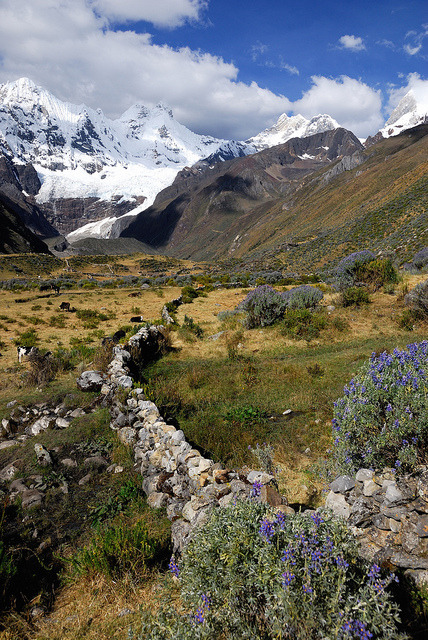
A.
pixel 15 237
pixel 273 205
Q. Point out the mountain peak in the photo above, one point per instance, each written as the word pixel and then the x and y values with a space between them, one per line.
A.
pixel 297 126
pixel 409 112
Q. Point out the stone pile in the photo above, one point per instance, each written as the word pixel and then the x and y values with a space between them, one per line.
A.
pixel 389 516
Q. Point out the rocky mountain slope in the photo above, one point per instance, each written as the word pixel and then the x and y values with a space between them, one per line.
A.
pixel 15 236
pixel 302 203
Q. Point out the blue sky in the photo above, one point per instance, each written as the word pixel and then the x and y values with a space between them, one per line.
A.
pixel 226 67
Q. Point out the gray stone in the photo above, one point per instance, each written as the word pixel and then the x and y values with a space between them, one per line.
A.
pixel 215 336
pixel 394 525
pixel 259 476
pixel 393 512
pixel 422 526
pixel 17 486
pixel 337 503
pixel 95 462
pixel 68 462
pixel 174 509
pixel 364 474
pixel 9 472
pixel 125 382
pixel 408 561
pixel 77 413
pixel 91 380
pixel 157 500
pixel 62 423
pixel 43 423
pixel 419 577
pixel 31 498
pixel 43 456
pixel 85 479
pixel 226 500
pixel 362 512
pixel 422 486
pixel 342 484
pixel 177 438
pixel 180 530
pixel 127 435
pixel 381 522
pixel 370 488
pixel 393 494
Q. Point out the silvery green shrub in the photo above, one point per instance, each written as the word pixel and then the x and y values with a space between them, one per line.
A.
pixel 417 298
pixel 382 418
pixel 345 273
pixel 254 574
pixel 263 306
pixel 303 297
pixel 420 260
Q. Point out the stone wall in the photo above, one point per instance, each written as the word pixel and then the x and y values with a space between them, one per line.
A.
pixel 389 516
pixel 176 476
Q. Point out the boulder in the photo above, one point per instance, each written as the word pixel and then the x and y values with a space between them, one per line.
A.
pixel 91 380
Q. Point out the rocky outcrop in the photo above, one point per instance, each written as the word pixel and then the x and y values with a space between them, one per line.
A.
pixel 388 515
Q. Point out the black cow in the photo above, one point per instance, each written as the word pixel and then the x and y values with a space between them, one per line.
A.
pixel 137 319
pixel 64 306
pixel 114 339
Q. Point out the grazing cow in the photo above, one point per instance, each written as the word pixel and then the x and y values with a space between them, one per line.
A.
pixel 134 294
pixel 64 306
pixel 137 319
pixel 25 351
pixel 118 335
pixel 114 339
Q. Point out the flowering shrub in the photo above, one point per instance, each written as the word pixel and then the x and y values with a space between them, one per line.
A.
pixel 263 306
pixel 383 417
pixel 253 574
pixel 346 270
pixel 303 297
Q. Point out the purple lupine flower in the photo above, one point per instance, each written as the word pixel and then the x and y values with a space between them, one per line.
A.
pixel 287 578
pixel 267 529
pixel 173 567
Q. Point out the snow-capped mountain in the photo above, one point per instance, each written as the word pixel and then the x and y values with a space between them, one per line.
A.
pixel 410 111
pixel 111 166
pixel 288 127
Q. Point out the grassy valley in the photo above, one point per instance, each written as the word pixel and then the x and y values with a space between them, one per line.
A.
pixel 231 389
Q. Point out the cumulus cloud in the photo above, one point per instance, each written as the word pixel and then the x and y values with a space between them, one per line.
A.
pixel 419 87
pixel 73 52
pixel 354 104
pixel 163 13
pixel 354 43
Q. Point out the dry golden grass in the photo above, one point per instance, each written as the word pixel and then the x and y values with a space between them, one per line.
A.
pixel 94 608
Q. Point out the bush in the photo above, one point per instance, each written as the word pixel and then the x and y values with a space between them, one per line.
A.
pixel 120 549
pixel 302 324
pixel 382 420
pixel 189 293
pixel 303 297
pixel 27 339
pixel 354 296
pixel 252 574
pixel 263 306
pixel 417 298
pixel 420 260
pixel 376 273
pixel 190 330
pixel 345 274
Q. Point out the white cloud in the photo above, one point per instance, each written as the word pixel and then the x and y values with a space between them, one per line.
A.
pixel 354 43
pixel 163 13
pixel 71 51
pixel 412 51
pixel 354 104
pixel 288 67
pixel 258 50
pixel 419 87
pixel 415 45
